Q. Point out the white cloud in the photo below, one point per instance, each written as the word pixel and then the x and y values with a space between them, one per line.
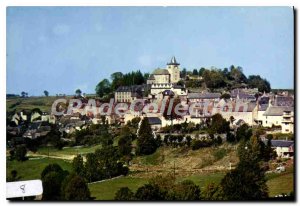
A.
pixel 61 29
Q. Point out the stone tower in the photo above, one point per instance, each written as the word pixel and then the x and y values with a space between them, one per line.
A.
pixel 174 70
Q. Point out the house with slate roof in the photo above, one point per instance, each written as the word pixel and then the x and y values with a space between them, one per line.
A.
pixel 129 93
pixel 202 97
pixel 274 115
pixel 155 123
pixel 283 148
pixel 239 110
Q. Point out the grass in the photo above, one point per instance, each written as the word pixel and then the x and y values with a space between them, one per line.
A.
pixel 203 179
pixel 43 103
pixel 32 169
pixel 67 151
pixel 106 190
pixel 219 153
pixel 279 183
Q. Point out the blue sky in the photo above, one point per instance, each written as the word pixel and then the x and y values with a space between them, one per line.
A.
pixel 60 49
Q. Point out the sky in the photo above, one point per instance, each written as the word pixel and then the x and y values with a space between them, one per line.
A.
pixel 61 49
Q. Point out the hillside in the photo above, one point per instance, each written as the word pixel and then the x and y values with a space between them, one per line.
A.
pixel 187 162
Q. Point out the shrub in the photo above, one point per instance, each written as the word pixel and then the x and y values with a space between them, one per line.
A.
pixel 124 193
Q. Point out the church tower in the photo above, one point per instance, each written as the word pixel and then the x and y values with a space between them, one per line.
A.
pixel 174 70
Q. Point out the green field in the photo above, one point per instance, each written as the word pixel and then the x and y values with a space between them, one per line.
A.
pixel 32 169
pixel 67 151
pixel 281 183
pixel 106 190
pixel 18 104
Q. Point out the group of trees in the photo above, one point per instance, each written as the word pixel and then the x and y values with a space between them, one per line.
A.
pixel 24 94
pixel 105 87
pixel 104 163
pixel 18 153
pixel 162 188
pixel 225 78
pixel 59 184
pixel 91 135
pixel 177 140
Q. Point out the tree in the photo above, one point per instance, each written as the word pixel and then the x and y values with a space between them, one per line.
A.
pixel 78 166
pixel 186 190
pixel 255 81
pixel 92 171
pixel 188 140
pixel 52 177
pixel 13 176
pixel 124 145
pixel 213 78
pixel 183 73
pixel 146 143
pixel 23 94
pixel 149 192
pixel 76 189
pixel 212 191
pixel 46 93
pixel 244 132
pixel 195 72
pixel 20 153
pixel 219 125
pixel 124 193
pixel 246 182
pixel 201 71
pixel 51 186
pixel 78 92
pixel 236 74
pixel 103 88
pixel 269 152
pixel 108 159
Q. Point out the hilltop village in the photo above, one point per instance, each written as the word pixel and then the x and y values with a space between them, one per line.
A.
pixel 235 120
pixel 240 105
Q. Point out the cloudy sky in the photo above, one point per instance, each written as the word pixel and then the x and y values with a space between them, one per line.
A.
pixel 60 49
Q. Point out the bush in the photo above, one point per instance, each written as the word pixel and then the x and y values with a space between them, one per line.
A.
pixel 197 144
pixel 219 153
pixel 124 193
pixel 20 153
pixel 76 189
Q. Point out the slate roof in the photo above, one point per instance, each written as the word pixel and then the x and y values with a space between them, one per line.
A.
pixel 133 88
pixel 263 100
pixel 263 107
pixel 280 143
pixel 173 61
pixel 203 95
pixel 284 101
pixel 246 96
pixel 160 72
pixel 154 120
pixel 277 111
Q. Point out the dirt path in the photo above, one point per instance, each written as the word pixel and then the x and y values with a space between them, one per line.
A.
pixel 64 157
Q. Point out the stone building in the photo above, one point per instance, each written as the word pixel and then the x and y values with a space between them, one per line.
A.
pixel 165 76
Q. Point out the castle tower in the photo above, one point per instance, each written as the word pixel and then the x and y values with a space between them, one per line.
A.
pixel 174 70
